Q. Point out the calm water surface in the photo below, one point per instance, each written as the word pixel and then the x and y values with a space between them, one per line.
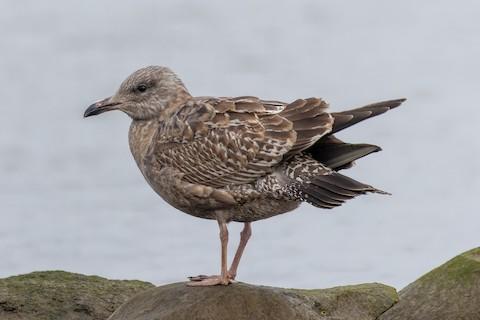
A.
pixel 71 197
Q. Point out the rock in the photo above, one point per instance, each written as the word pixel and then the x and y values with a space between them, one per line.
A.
pixel 243 301
pixel 451 291
pixel 62 295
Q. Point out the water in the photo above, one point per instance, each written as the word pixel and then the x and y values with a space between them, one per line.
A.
pixel 71 197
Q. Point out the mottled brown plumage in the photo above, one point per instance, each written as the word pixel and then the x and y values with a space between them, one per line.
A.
pixel 238 159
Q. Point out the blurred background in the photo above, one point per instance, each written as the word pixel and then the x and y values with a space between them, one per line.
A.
pixel 72 198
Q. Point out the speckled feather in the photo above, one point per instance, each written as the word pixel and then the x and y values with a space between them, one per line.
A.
pixel 219 142
pixel 246 158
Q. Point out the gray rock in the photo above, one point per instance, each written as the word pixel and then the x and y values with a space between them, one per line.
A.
pixel 62 295
pixel 243 301
pixel 451 291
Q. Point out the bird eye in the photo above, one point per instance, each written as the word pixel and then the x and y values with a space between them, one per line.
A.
pixel 142 87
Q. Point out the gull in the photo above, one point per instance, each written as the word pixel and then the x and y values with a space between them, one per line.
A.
pixel 239 159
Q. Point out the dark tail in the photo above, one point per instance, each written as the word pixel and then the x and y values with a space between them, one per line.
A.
pixel 329 191
pixel 348 118
pixel 338 155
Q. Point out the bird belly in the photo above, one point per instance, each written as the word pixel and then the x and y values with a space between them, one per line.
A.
pixel 241 204
pixel 262 209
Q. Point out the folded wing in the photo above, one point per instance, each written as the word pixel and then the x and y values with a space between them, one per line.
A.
pixel 223 141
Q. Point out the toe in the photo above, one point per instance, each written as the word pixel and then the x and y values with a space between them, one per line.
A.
pixel 209 281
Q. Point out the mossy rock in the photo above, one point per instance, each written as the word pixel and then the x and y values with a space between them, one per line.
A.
pixel 451 291
pixel 243 301
pixel 61 295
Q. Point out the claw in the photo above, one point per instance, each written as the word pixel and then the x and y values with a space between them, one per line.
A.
pixel 200 277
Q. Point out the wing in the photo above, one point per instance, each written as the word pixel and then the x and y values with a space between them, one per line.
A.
pixel 310 120
pixel 223 141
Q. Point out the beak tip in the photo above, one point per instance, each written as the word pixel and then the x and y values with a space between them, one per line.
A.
pixel 91 111
pixel 100 107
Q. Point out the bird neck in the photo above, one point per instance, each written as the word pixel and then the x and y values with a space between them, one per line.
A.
pixel 140 136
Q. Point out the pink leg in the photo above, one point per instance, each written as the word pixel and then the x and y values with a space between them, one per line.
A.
pixel 223 277
pixel 224 242
pixel 244 236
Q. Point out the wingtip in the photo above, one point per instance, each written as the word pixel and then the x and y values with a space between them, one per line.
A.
pixel 398 102
pixel 370 147
pixel 402 99
pixel 385 193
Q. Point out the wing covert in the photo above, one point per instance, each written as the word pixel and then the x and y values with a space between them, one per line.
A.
pixel 222 141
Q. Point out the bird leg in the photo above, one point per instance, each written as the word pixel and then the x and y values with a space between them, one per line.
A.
pixel 223 278
pixel 244 236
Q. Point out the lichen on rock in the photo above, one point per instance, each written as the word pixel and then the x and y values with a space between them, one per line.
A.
pixel 451 291
pixel 242 301
pixel 62 295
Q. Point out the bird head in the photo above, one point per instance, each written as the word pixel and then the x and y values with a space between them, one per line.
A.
pixel 144 94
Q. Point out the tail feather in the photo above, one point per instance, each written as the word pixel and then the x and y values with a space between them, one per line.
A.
pixel 346 183
pixel 329 196
pixel 332 190
pixel 312 174
pixel 338 155
pixel 348 118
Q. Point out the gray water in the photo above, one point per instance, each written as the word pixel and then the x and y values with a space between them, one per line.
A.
pixel 71 197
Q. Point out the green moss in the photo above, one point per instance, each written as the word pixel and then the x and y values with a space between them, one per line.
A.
pixel 373 289
pixel 451 291
pixel 58 294
pixel 463 269
pixel 473 254
pixel 62 295
pixel 372 298
pixel 245 301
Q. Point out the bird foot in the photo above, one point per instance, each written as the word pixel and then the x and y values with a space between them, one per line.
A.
pixel 205 281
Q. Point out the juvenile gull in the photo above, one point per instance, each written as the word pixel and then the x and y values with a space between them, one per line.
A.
pixel 237 159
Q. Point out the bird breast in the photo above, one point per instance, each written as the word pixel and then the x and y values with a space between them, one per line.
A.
pixel 140 138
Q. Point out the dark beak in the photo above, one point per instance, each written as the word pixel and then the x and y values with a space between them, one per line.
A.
pixel 100 107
